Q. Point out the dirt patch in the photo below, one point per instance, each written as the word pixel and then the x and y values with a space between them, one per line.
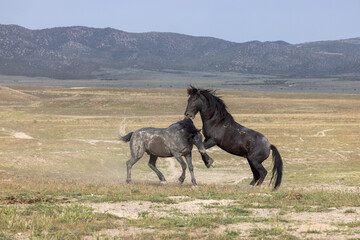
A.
pixel 127 233
pixel 334 216
pixel 318 225
pixel 130 210
pixel 13 134
pixel 135 209
pixel 21 135
pixel 328 187
pixel 11 95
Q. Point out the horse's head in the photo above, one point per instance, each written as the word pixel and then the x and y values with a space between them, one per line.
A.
pixel 188 126
pixel 194 102
pixel 205 101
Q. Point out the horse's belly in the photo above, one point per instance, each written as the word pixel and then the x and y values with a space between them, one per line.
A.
pixel 157 146
pixel 159 153
pixel 257 146
pixel 235 149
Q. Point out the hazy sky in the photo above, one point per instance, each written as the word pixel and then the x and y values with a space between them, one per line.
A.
pixel 294 21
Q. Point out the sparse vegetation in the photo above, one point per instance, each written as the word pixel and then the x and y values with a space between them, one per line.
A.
pixel 67 180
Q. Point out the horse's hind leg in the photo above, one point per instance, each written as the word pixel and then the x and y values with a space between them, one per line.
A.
pixel 255 172
pixel 129 165
pixel 261 170
pixel 183 166
pixel 152 165
pixel 191 168
pixel 135 156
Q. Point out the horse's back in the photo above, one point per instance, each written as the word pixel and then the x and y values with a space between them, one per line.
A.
pixel 151 140
pixel 165 142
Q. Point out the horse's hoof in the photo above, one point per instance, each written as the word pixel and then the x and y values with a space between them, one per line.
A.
pixel 252 183
pixel 211 163
pixel 128 181
pixel 181 180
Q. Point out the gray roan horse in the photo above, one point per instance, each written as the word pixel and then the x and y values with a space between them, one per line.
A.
pixel 220 128
pixel 175 141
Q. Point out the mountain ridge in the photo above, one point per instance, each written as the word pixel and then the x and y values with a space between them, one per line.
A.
pixel 81 52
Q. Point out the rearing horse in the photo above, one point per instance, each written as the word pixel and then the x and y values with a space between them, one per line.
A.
pixel 220 128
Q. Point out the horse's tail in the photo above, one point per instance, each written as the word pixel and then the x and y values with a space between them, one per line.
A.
pixel 278 167
pixel 127 137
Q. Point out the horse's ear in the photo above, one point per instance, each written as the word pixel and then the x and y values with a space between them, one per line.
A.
pixel 192 91
pixel 189 91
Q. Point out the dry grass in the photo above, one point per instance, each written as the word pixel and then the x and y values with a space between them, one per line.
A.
pixel 74 156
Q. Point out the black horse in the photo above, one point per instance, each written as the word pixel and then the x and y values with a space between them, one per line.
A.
pixel 220 128
pixel 175 141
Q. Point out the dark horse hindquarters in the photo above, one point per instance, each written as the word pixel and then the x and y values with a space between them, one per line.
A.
pixel 219 128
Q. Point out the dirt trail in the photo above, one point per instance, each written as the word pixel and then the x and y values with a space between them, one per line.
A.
pixel 322 133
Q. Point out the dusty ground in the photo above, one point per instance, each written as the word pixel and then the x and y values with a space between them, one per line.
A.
pixel 310 225
pixel 60 138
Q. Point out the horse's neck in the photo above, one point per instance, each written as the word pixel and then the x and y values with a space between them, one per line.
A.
pixel 209 117
pixel 213 118
pixel 206 115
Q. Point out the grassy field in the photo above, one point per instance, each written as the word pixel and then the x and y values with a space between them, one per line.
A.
pixel 62 168
pixel 138 78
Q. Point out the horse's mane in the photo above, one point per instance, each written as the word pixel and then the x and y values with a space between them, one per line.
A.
pixel 215 102
pixel 188 125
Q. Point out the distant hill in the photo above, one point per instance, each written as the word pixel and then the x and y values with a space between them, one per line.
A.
pixel 12 95
pixel 81 52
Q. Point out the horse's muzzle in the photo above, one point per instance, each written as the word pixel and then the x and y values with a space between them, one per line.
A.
pixel 190 116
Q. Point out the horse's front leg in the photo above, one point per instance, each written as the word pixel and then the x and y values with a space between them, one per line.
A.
pixel 152 165
pixel 208 161
pixel 191 168
pixel 183 166
pixel 209 142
